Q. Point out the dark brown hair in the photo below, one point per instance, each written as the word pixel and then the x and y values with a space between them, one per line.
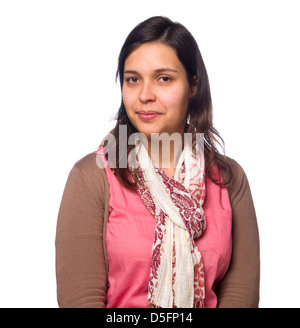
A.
pixel 200 118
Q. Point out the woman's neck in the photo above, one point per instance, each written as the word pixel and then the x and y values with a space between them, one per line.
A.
pixel 165 151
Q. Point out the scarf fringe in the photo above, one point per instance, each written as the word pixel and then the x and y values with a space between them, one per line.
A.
pixel 200 305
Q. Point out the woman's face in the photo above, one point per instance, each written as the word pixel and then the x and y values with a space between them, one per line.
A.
pixel 155 91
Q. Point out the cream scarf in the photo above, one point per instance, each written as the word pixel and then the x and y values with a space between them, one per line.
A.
pixel 176 275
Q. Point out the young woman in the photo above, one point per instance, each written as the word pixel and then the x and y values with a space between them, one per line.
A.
pixel 136 230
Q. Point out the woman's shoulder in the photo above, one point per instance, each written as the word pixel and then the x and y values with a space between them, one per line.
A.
pixel 90 170
pixel 239 181
pixel 90 165
pixel 236 168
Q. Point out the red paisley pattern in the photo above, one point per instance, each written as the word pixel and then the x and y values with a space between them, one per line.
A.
pixel 188 203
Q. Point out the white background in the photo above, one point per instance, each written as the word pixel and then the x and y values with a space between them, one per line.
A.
pixel 58 61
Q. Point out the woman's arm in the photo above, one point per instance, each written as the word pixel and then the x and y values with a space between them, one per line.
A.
pixel 240 286
pixel 80 257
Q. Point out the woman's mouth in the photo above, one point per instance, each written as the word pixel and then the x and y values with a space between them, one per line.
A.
pixel 147 116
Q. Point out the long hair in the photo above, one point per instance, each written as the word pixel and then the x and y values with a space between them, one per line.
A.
pixel 200 118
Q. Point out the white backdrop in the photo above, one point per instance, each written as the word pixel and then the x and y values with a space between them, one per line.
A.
pixel 58 61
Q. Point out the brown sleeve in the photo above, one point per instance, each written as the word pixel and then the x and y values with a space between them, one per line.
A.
pixel 80 256
pixel 240 287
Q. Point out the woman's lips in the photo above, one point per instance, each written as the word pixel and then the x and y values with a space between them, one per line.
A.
pixel 147 115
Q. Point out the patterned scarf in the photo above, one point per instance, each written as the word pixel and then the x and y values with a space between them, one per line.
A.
pixel 176 274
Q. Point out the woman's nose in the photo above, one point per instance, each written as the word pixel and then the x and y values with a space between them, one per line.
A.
pixel 147 93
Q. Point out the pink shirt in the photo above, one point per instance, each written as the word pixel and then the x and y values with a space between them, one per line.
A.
pixel 129 238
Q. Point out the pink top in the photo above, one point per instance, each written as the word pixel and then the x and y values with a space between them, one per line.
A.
pixel 129 238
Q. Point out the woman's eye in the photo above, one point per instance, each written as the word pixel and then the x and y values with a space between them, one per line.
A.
pixel 165 79
pixel 132 79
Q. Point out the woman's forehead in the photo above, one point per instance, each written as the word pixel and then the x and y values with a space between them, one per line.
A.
pixel 153 56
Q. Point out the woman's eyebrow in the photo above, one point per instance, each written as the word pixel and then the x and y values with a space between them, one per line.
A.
pixel 160 70
pixel 130 72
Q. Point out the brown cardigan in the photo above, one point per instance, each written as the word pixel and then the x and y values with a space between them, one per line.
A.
pixel 81 263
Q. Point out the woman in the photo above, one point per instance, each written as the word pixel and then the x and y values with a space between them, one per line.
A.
pixel 138 230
